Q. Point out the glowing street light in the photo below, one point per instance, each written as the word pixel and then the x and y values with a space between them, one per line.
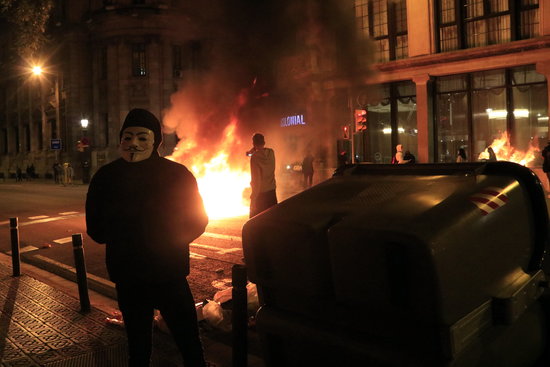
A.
pixel 37 70
pixel 84 123
pixel 45 73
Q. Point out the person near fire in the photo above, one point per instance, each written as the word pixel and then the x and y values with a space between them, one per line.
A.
pixel 461 156
pixel 147 209
pixel 546 161
pixel 262 176
pixel 492 155
pixel 307 170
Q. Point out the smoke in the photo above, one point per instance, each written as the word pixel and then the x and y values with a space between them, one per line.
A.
pixel 237 80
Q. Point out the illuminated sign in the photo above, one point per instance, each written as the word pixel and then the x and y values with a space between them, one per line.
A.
pixel 293 120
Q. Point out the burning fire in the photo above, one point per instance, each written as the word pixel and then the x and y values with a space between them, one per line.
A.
pixel 222 185
pixel 505 152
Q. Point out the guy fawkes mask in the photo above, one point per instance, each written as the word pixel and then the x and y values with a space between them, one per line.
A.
pixel 136 144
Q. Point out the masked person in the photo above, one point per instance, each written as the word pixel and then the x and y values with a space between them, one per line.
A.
pixel 262 176
pixel 147 210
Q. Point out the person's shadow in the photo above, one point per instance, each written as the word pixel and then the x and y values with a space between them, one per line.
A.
pixel 7 312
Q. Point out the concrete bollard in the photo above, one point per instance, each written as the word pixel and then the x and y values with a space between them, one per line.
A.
pixel 239 316
pixel 15 256
pixel 81 277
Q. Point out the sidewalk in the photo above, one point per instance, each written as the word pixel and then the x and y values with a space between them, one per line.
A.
pixel 41 325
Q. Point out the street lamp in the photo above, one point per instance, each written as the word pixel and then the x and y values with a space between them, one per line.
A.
pixel 38 71
pixel 84 145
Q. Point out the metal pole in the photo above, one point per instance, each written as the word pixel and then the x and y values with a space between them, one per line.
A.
pixel 15 257
pixel 239 316
pixel 81 277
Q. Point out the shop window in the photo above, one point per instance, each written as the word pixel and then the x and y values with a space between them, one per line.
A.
pixel 489 113
pixel 391 120
pixel 474 110
pixel 530 122
pixel 385 23
pixel 474 23
pixel 139 61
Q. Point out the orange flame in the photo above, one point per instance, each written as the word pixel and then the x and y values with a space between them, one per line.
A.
pixel 222 185
pixel 505 152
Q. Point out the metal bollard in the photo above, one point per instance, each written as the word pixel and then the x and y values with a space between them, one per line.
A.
pixel 15 256
pixel 81 276
pixel 239 316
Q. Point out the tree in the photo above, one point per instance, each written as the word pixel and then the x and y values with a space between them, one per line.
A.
pixel 24 25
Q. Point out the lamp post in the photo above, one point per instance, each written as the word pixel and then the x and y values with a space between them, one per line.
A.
pixel 38 71
pixel 84 148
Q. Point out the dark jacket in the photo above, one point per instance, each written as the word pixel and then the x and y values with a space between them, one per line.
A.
pixel 147 213
pixel 307 164
pixel 546 158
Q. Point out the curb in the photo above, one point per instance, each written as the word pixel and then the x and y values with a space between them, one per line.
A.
pixel 95 283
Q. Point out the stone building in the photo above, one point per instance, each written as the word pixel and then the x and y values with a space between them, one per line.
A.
pixel 433 75
pixel 105 58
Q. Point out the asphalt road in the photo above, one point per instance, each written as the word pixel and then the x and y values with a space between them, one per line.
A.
pixel 50 214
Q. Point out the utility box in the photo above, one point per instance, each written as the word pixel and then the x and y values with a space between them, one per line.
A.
pixel 404 265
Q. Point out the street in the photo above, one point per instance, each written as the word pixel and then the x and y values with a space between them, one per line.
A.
pixel 48 215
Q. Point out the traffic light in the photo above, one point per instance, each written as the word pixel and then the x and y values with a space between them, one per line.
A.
pixel 360 120
pixel 345 130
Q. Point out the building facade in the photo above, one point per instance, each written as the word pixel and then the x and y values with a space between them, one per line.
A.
pixel 105 58
pixel 434 76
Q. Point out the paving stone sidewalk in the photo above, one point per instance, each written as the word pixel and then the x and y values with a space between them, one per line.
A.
pixel 41 326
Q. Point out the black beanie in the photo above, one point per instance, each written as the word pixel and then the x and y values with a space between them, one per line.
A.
pixel 143 118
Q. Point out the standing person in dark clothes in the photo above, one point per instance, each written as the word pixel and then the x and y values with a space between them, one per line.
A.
pixel 546 161
pixel 307 170
pixel 262 174
pixel 147 210
pixel 55 172
pixel 492 155
pixel 18 174
pixel 409 157
pixel 461 156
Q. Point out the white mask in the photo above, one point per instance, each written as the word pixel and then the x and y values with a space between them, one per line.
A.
pixel 136 144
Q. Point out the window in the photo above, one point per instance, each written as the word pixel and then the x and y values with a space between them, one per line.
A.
pixel 391 120
pixel 5 149
pixel 139 62
pixel 177 64
pixel 384 22
pixel 474 23
pixel 53 128
pixel 473 110
pixel 530 122
pixel 39 135
pixel 489 116
pixel 16 138
pixel 452 124
pixel 194 55
pixel 27 129
pixel 106 128
pixel 103 63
